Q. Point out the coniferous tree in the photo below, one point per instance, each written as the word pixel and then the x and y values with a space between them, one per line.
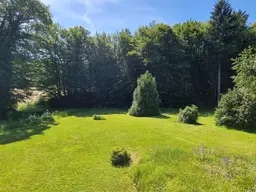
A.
pixel 145 97
pixel 227 39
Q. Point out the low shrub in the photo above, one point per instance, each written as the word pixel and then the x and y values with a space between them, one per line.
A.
pixel 227 113
pixel 98 117
pixel 34 119
pixel 236 110
pixel 189 115
pixel 34 106
pixel 120 158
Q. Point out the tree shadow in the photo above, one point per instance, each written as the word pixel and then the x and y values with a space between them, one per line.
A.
pixel 103 111
pixel 197 124
pixel 161 117
pixel 193 124
pixel 94 111
pixel 249 131
pixel 23 129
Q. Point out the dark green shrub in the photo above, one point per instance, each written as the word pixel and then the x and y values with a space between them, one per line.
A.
pixel 227 113
pixel 98 117
pixel 34 119
pixel 236 110
pixel 189 115
pixel 145 97
pixel 120 158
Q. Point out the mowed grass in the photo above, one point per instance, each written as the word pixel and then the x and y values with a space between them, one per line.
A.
pixel 74 155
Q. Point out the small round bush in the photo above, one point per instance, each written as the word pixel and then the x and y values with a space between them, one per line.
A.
pixel 120 158
pixel 189 115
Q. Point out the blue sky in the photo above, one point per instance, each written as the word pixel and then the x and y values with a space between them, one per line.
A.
pixel 114 15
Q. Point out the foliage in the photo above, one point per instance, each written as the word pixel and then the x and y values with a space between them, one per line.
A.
pixel 226 39
pixel 20 20
pixel 228 109
pixel 163 56
pixel 33 106
pixel 245 67
pixel 120 158
pixel 189 115
pixel 77 69
pixel 145 97
pixel 237 109
pixel 192 35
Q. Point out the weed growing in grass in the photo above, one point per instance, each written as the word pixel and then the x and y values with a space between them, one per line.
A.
pixel 171 169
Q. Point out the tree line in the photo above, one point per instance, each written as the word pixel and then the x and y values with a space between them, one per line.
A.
pixel 191 61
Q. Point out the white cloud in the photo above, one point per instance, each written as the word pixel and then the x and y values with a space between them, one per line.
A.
pixel 87 19
pixel 92 7
pixel 95 6
pixel 103 15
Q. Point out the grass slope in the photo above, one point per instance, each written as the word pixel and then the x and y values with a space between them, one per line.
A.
pixel 74 155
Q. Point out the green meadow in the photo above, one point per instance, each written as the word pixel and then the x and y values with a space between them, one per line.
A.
pixel 72 153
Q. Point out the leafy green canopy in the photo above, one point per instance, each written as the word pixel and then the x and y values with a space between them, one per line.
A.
pixel 145 97
pixel 19 21
pixel 237 109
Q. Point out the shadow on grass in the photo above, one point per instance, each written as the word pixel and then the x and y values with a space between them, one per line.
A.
pixel 23 129
pixel 202 113
pixel 198 124
pixel 161 117
pixel 194 124
pixel 96 111
pixel 249 131
pixel 106 111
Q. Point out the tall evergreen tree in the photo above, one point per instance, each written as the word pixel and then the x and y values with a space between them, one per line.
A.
pixel 145 97
pixel 227 39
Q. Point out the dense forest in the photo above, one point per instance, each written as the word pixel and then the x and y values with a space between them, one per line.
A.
pixel 191 61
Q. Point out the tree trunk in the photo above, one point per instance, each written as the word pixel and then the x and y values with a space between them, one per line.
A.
pixel 219 82
pixel 5 86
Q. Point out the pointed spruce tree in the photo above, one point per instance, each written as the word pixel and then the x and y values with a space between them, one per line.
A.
pixel 145 97
pixel 227 38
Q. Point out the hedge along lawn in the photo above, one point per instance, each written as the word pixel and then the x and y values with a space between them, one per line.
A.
pixel 74 155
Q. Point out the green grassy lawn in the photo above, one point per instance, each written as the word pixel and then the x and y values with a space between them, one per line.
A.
pixel 73 154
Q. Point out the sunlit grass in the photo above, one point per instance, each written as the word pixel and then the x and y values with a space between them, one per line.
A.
pixel 74 155
pixel 32 106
